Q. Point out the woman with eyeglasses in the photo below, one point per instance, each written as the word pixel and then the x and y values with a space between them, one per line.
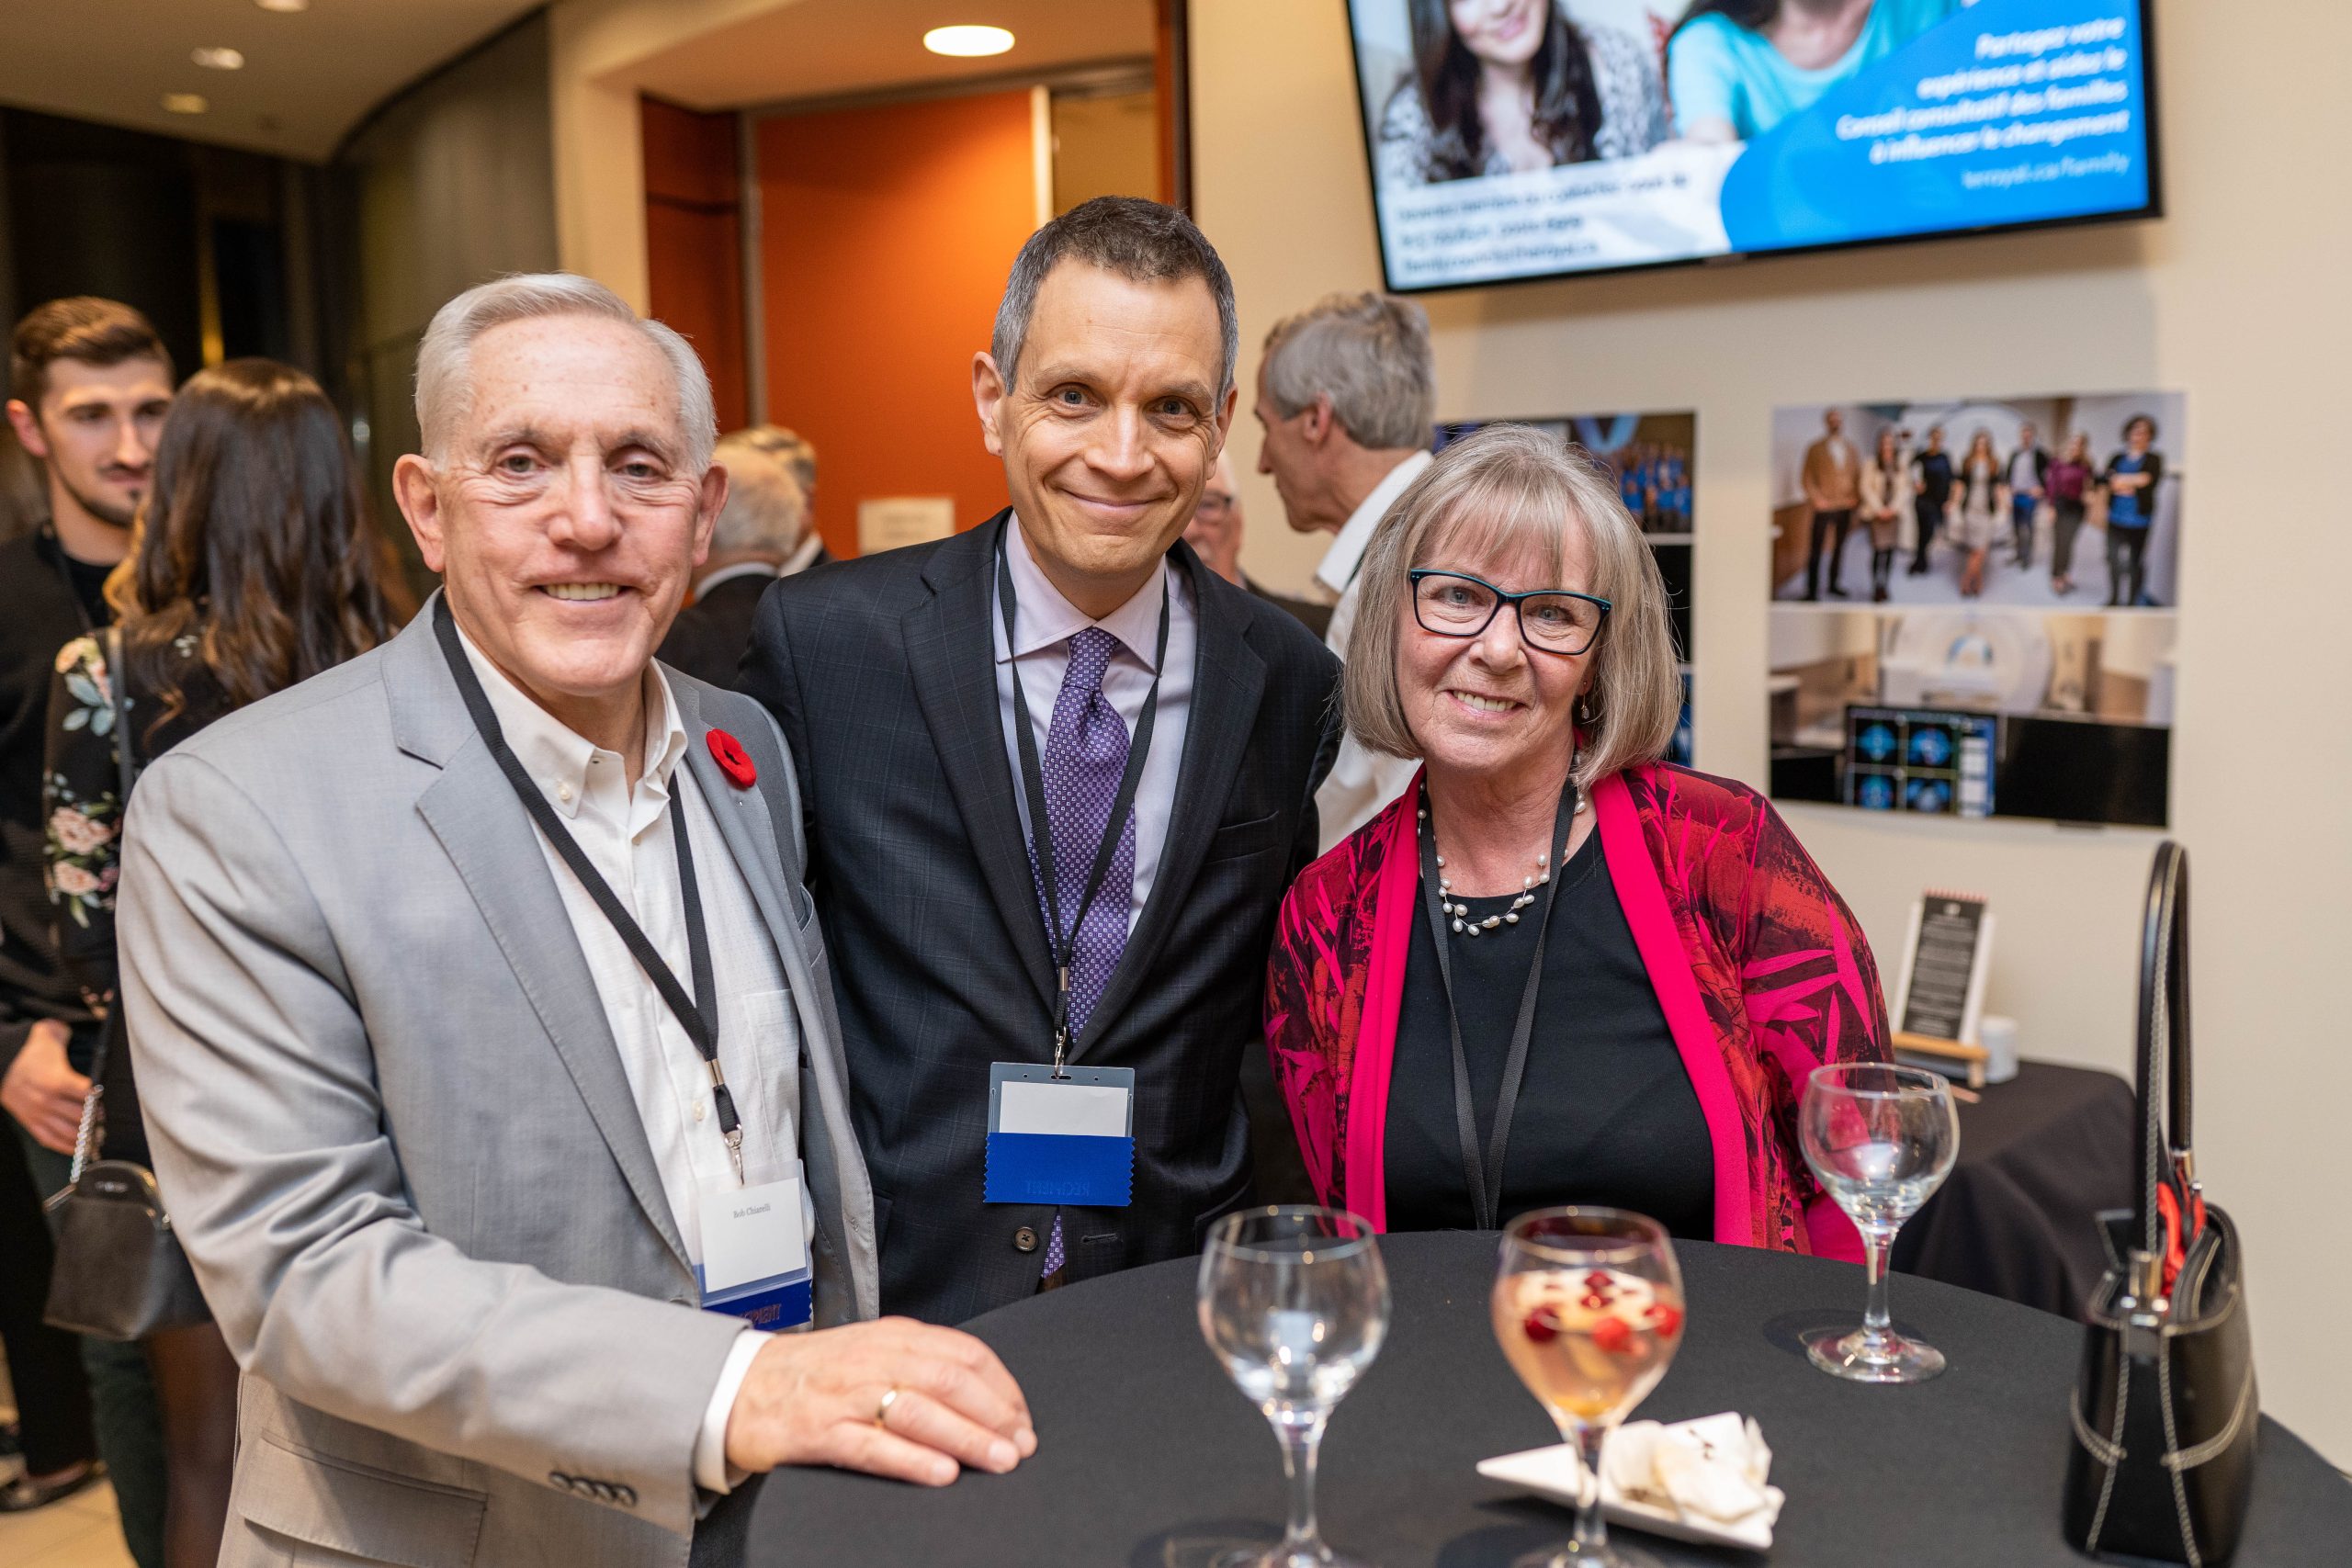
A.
pixel 1556 969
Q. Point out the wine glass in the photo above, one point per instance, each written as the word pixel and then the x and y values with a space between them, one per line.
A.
pixel 1295 1302
pixel 1879 1139
pixel 1588 1307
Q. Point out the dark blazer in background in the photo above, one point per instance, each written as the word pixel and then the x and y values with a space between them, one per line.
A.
pixel 882 672
pixel 709 635
pixel 1316 617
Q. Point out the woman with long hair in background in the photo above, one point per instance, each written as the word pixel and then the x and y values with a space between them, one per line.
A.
pixel 1505 86
pixel 253 567
pixel 1982 497
pixel 1887 494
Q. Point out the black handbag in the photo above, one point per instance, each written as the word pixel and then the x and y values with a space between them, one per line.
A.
pixel 2165 1412
pixel 120 1272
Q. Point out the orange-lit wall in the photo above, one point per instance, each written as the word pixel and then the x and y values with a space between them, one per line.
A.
pixel 885 234
pixel 693 256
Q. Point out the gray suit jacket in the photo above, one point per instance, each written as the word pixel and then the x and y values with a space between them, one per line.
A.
pixel 393 1131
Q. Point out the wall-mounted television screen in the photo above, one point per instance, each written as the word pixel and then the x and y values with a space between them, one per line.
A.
pixel 1520 138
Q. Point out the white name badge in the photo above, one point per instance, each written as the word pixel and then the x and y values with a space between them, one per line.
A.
pixel 756 1254
pixel 1064 1140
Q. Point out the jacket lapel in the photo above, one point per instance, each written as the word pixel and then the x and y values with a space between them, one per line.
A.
pixel 1229 679
pixel 472 810
pixel 749 835
pixel 748 829
pixel 951 654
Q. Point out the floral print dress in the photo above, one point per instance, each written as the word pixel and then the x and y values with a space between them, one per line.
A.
pixel 82 809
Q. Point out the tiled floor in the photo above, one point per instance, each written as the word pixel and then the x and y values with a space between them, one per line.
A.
pixel 79 1532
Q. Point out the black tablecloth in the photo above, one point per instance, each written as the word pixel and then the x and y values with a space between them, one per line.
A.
pixel 2039 1155
pixel 1144 1444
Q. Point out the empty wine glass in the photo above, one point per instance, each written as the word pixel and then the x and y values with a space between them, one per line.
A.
pixel 1588 1307
pixel 1879 1139
pixel 1295 1302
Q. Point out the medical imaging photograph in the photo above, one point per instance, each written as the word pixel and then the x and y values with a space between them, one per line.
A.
pixel 2042 502
pixel 1968 713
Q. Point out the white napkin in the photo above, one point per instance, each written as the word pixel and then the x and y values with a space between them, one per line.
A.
pixel 1713 1467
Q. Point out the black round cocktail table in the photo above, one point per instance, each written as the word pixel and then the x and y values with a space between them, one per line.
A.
pixel 1144 1444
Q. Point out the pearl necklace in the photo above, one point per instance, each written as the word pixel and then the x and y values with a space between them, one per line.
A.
pixel 1450 902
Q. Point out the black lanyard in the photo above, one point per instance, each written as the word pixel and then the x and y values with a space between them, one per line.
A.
pixel 699 1018
pixel 1486 1176
pixel 1061 943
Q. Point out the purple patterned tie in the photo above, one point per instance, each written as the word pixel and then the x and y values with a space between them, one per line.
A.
pixel 1086 755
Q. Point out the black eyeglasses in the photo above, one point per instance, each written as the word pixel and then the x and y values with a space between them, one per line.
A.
pixel 1550 620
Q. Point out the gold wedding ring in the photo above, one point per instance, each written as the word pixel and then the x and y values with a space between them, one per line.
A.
pixel 882 1411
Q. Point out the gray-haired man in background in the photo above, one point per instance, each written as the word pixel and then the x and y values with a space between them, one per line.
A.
pixel 763 532
pixel 456 1135
pixel 1347 398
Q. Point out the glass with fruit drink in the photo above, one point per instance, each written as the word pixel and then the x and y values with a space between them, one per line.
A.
pixel 1588 1307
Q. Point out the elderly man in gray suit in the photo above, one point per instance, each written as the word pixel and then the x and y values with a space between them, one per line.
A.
pixel 485 1032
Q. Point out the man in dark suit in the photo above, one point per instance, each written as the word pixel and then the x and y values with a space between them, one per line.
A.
pixel 1107 392
pixel 763 533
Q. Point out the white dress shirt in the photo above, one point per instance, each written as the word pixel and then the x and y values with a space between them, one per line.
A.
pixel 627 835
pixel 1362 781
pixel 1044 622
pixel 2023 478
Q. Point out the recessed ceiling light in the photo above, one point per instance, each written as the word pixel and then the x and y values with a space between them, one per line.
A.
pixel 967 42
pixel 217 58
pixel 186 103
pixel 286 5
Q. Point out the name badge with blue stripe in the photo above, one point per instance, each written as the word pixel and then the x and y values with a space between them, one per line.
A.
pixel 755 1255
pixel 1063 1141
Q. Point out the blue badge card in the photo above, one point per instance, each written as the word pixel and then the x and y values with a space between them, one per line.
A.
pixel 756 1254
pixel 1069 1139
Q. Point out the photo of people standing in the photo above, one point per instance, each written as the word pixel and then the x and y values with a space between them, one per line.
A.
pixel 2028 501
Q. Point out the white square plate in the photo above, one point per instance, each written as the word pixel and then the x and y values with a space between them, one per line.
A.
pixel 1554 1473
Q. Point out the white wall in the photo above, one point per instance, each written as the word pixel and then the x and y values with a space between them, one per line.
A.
pixel 2236 300
pixel 598 50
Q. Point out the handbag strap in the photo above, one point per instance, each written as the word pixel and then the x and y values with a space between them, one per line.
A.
pixel 126 766
pixel 125 772
pixel 2164 1141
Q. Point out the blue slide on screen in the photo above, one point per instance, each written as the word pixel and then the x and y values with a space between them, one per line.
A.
pixel 1672 130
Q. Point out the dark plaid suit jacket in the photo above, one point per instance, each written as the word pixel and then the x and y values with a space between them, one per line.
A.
pixel 882 672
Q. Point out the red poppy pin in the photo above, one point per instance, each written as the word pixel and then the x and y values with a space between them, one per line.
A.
pixel 732 759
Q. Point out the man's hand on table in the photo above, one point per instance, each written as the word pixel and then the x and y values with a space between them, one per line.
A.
pixel 815 1399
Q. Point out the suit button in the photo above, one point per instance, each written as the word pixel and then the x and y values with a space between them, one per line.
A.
pixel 627 1496
pixel 1024 1239
pixel 604 1491
pixel 557 1478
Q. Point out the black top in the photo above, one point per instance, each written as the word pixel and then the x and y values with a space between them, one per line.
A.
pixel 1935 478
pixel 1315 617
pixel 1606 1113
pixel 83 806
pixel 38 617
pixel 709 635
